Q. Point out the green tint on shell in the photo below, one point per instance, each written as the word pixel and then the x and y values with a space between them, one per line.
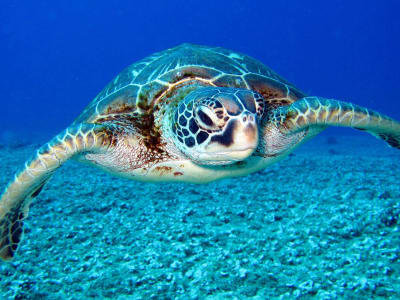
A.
pixel 137 87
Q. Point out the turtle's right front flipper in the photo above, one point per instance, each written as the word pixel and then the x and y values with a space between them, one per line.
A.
pixel 27 184
pixel 314 113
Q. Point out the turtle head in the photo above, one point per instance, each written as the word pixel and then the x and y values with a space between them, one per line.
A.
pixel 215 126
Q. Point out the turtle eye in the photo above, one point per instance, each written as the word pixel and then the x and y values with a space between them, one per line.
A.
pixel 206 118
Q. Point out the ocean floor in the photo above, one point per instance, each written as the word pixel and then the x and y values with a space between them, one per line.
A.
pixel 324 224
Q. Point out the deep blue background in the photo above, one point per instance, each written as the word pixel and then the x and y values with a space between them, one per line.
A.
pixel 57 55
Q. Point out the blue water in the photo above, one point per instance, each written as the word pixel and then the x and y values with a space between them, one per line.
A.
pixel 324 222
pixel 56 56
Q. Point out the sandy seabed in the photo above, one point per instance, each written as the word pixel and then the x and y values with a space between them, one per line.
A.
pixel 324 224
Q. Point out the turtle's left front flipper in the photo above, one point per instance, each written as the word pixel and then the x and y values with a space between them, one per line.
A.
pixel 314 113
pixel 27 184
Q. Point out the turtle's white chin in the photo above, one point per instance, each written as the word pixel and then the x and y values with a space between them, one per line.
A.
pixel 237 155
pixel 224 157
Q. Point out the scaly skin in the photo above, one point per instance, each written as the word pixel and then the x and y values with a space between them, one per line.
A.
pixel 314 112
pixel 28 183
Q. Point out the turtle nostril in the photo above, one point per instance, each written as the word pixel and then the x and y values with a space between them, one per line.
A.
pixel 248 118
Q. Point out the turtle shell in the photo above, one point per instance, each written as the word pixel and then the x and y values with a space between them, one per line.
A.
pixel 141 86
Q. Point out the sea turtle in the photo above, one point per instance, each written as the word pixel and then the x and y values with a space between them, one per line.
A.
pixel 192 114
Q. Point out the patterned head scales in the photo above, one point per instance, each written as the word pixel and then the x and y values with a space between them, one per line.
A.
pixel 218 125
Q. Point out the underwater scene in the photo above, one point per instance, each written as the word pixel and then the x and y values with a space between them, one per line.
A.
pixel 200 150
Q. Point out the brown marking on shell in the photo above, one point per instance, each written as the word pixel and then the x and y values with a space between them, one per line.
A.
pixel 178 174
pixel 119 106
pixel 177 92
pixel 267 89
pixel 150 133
pixel 142 103
pixel 273 92
pixel 230 81
pixel 149 94
pixel 104 119
pixel 177 87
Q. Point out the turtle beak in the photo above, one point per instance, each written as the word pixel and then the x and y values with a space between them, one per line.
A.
pixel 238 141
pixel 245 137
